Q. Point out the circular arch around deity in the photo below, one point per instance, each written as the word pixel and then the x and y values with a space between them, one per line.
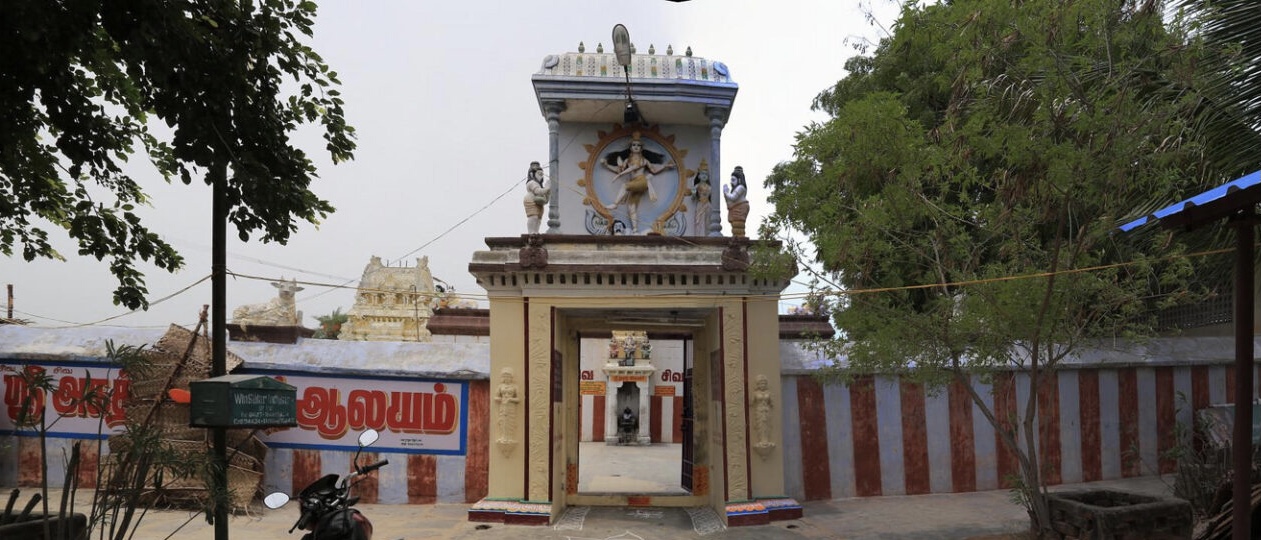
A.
pixel 663 216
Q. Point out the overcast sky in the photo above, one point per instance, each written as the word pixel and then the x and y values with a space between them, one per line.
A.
pixel 440 97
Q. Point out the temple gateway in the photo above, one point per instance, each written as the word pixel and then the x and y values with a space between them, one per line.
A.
pixel 623 309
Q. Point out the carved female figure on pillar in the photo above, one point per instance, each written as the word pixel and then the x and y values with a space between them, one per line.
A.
pixel 536 195
pixel 763 406
pixel 508 397
pixel 635 167
pixel 736 194
pixel 700 195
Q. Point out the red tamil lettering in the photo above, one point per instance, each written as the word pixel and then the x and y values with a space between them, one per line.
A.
pixel 588 375
pixel 320 409
pixel 67 396
pixel 677 376
pixel 665 376
pixel 116 416
pixel 98 389
pixel 366 409
pixel 441 414
pixel 404 414
pixel 24 402
pixel 81 397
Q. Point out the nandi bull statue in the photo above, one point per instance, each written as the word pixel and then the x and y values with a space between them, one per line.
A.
pixel 279 311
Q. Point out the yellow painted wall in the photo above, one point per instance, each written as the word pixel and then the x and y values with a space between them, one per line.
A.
pixel 763 343
pixel 507 318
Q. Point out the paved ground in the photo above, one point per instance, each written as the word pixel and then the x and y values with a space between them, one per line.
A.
pixel 986 515
pixel 630 469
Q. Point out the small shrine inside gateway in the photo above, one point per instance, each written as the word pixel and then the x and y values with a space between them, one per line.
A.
pixel 629 376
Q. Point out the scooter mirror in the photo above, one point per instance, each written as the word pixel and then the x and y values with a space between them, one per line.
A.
pixel 275 500
pixel 368 437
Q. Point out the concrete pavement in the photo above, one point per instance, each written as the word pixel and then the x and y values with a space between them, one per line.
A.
pixel 989 515
pixel 984 515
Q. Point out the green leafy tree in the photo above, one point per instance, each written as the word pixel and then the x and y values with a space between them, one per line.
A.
pixel 86 85
pixel 966 190
pixel 1230 101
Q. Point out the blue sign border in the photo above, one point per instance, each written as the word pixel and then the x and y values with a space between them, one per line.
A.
pixel 464 409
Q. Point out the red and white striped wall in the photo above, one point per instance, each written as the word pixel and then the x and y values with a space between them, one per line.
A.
pixel 885 436
pixel 876 436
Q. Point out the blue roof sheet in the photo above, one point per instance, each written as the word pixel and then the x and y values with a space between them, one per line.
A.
pixel 1211 195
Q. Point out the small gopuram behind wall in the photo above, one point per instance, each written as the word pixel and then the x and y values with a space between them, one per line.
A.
pixel 632 242
pixel 393 303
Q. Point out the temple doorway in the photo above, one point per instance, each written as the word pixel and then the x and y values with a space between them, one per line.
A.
pixel 633 410
pixel 556 302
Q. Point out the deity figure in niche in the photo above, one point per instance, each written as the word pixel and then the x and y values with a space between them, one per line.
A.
pixel 635 168
pixel 736 194
pixel 700 195
pixel 536 195
pixel 507 396
pixel 629 346
pixel 763 405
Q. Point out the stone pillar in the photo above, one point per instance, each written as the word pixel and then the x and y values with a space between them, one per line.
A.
pixel 717 119
pixel 610 411
pixel 553 110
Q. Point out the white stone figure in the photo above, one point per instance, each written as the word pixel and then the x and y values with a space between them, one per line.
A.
pixel 536 196
pixel 508 397
pixel 736 194
pixel 635 168
pixel 701 190
pixel 279 311
pixel 763 406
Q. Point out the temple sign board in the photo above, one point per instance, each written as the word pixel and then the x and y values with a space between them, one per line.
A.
pixel 242 401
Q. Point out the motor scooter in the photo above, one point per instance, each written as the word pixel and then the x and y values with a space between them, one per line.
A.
pixel 324 507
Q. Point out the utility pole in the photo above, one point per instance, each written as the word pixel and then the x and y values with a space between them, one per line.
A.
pixel 218 333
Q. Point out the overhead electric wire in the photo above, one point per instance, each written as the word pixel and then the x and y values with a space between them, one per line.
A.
pixel 685 294
pixel 465 220
pixel 501 195
pixel 853 292
pixel 472 215
pixel 70 324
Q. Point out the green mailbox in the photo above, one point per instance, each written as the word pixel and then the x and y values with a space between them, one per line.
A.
pixel 242 401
